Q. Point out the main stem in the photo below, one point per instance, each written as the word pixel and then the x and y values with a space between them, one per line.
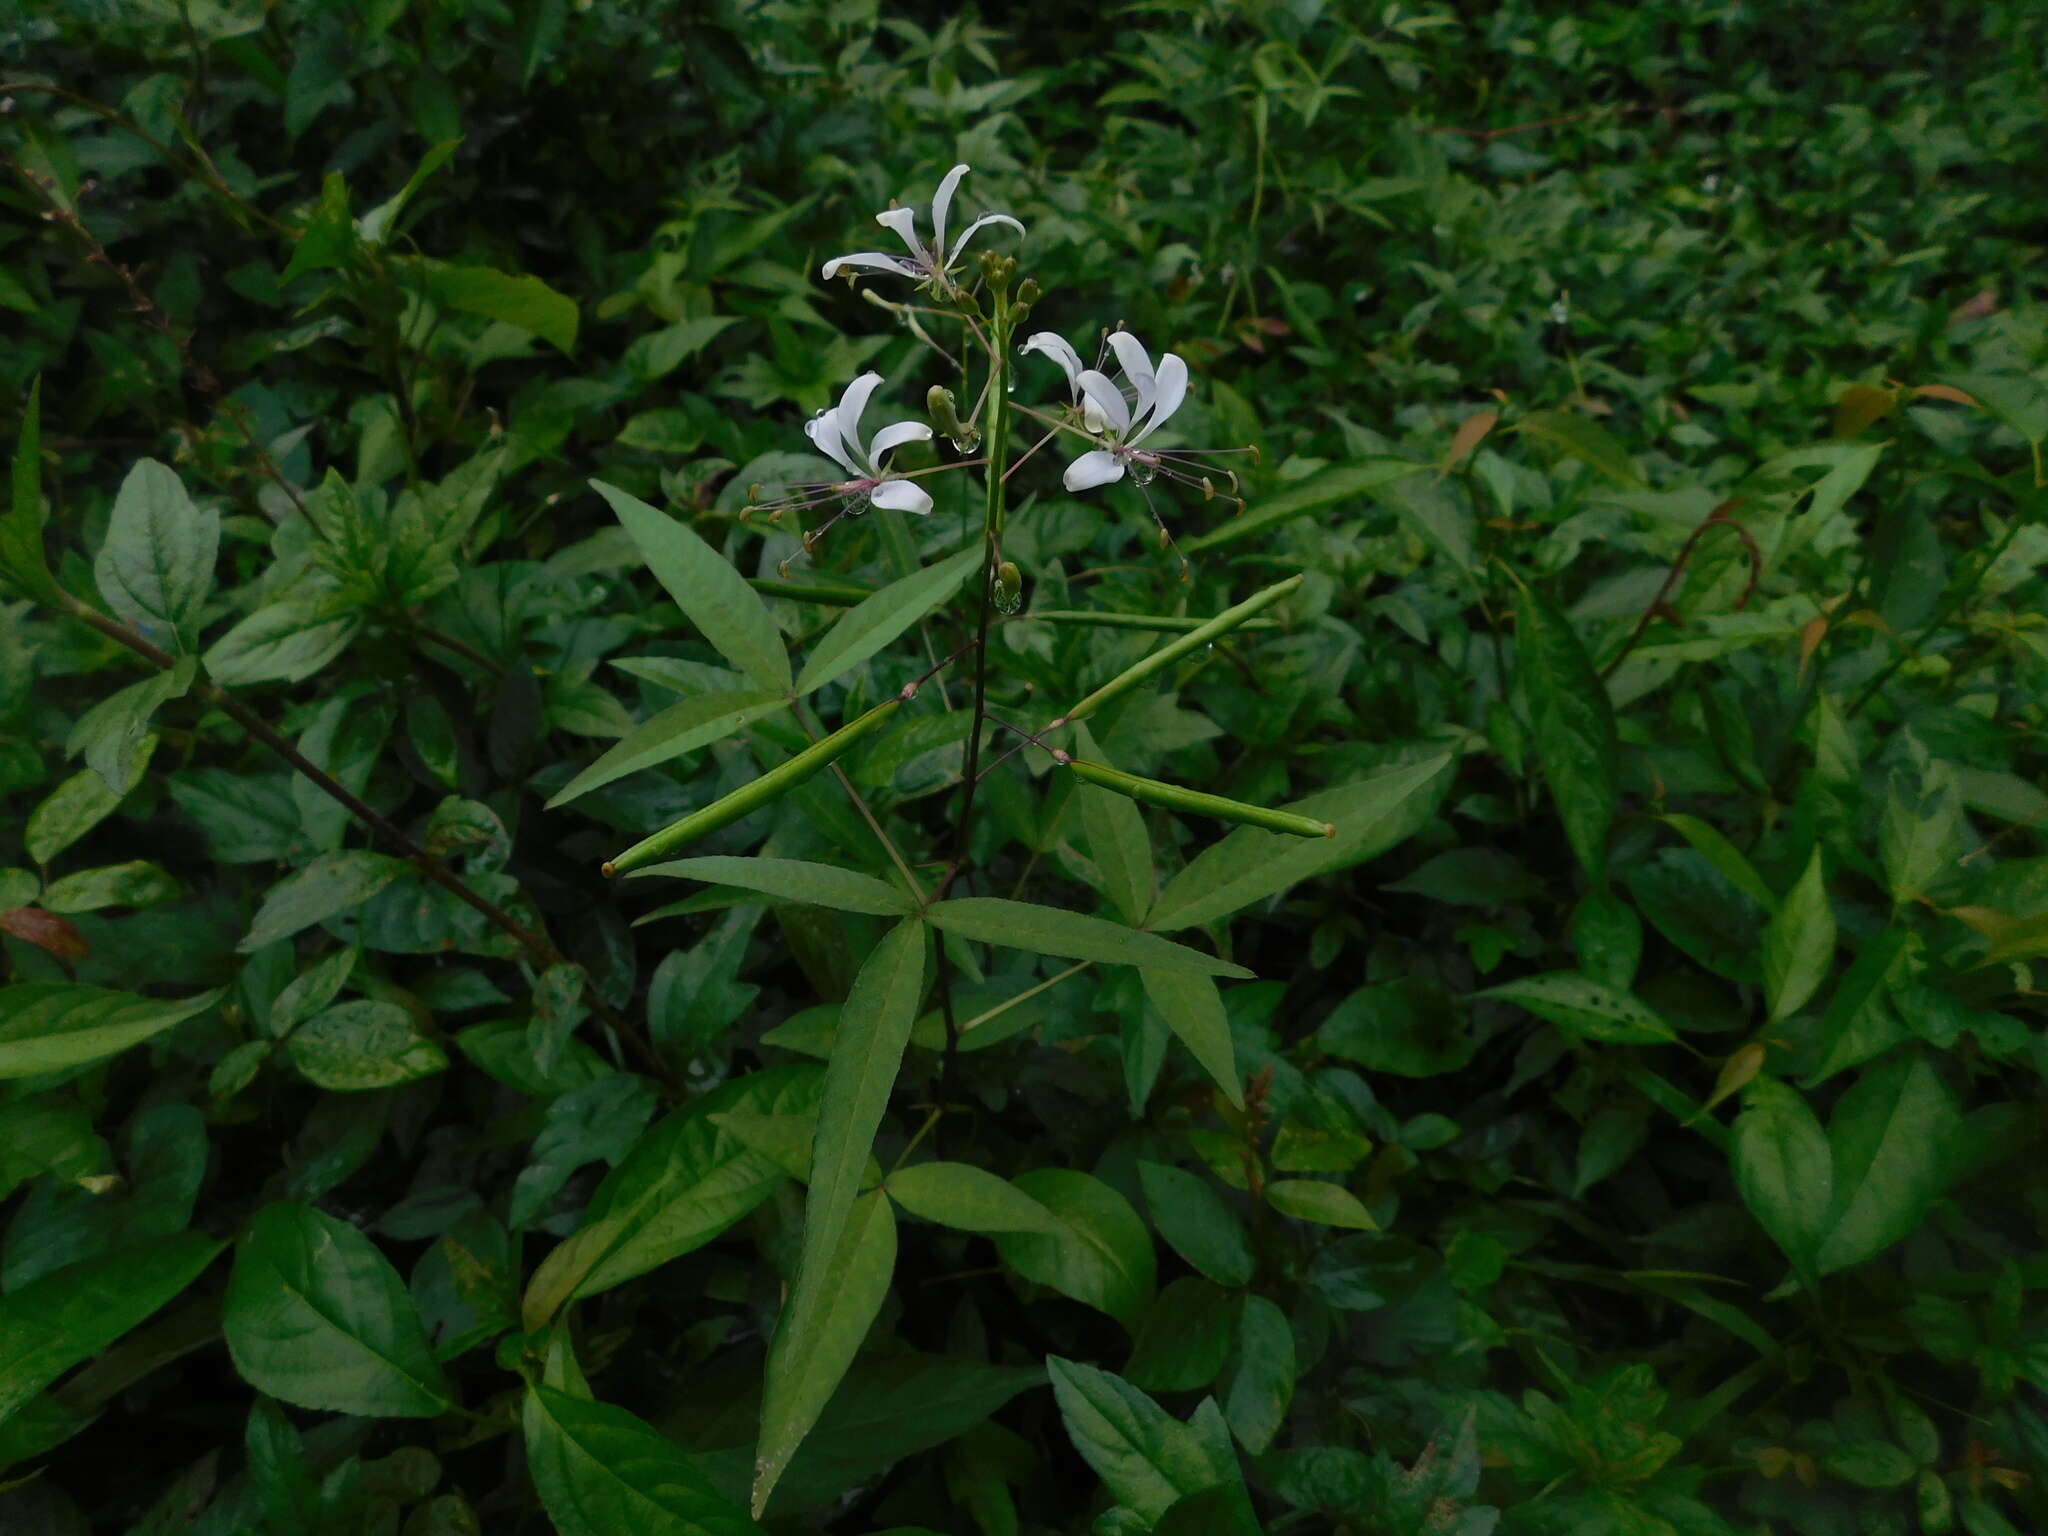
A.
pixel 992 552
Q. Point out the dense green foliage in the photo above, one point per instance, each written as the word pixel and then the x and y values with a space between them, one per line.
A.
pixel 1618 1125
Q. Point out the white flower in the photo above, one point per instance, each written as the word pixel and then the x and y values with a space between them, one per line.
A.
pixel 836 433
pixel 1051 344
pixel 1124 425
pixel 932 263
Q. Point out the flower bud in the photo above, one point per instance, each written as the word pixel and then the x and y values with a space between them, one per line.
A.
pixel 944 411
pixel 1009 587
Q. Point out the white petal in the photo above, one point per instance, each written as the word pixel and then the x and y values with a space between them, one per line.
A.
pixel 1091 417
pixel 967 234
pixel 1056 347
pixel 873 261
pixel 851 404
pixel 942 200
pixel 895 436
pixel 904 222
pixel 1106 398
pixel 1092 469
pixel 1137 366
pixel 901 496
pixel 1173 389
pixel 823 431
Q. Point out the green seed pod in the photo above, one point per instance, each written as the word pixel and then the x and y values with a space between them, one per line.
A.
pixel 1009 587
pixel 1193 802
pixel 1168 654
pixel 744 801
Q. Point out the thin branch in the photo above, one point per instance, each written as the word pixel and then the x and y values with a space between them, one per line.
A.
pixel 1718 518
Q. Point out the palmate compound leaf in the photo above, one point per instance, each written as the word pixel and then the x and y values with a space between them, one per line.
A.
pixel 714 596
pixel 316 1316
pixel 845 1235
pixel 602 1472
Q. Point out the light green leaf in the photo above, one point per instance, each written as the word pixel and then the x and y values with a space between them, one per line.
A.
pixel 1585 1009
pixel 1730 861
pixel 327 887
pixel 110 733
pixel 1196 1223
pixel 1102 1256
pixel 1341 482
pixel 792 880
pixel 1117 840
pixel 881 618
pixel 1259 1380
pixel 69 1315
pixel 831 1307
pixel 1582 439
pixel 156 567
pixel 317 1317
pixel 1892 1141
pixel 666 736
pixel 1799 944
pixel 1193 1010
pixel 1573 726
pixel 285 641
pixel 1784 1169
pixel 82 802
pixel 52 1026
pixel 1053 931
pixel 1145 1457
pixel 968 1198
pixel 1318 1200
pixel 713 596
pixel 602 1472
pixel 135 884
pixel 354 1047
pixel 374 227
pixel 1371 815
pixel 524 302
pixel 328 239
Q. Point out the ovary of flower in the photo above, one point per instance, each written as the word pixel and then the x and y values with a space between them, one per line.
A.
pixel 836 433
pixel 927 263
pixel 1125 425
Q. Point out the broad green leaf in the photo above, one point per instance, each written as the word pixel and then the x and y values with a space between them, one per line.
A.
pixel 1870 1464
pixel 1584 1009
pixel 69 1315
pixel 135 884
pixel 1102 1254
pixel 2015 399
pixel 524 302
pixel 878 620
pixel 287 640
pixel 1117 840
pixel 1573 725
pixel 354 1047
pixel 1732 863
pixel 328 239
pixel 666 736
pixel 713 596
pixel 82 802
pixel 1342 482
pixel 1145 1457
pixel 22 561
pixel 1193 1010
pixel 1582 439
pixel 1893 1140
pixel 110 733
pixel 1799 944
pixel 602 1472
pixel 685 1181
pixel 52 1026
pixel 374 227
pixel 1070 935
pixel 327 887
pixel 1197 1223
pixel 317 1317
pixel 793 880
pixel 1410 1028
pixel 1318 1200
pixel 156 567
pixel 1259 1379
pixel 1184 1339
pixel 831 1307
pixel 968 1198
pixel 1371 815
pixel 1784 1169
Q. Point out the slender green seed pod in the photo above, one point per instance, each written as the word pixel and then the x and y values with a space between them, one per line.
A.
pixel 1171 652
pixel 744 801
pixel 1193 802
pixel 1103 618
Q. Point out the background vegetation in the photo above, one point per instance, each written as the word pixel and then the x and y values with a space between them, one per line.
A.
pixel 1631 1124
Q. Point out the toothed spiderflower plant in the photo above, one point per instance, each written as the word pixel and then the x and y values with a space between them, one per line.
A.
pixel 1116 412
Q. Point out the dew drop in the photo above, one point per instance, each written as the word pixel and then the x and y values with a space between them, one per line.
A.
pixel 1142 473
pixel 854 505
